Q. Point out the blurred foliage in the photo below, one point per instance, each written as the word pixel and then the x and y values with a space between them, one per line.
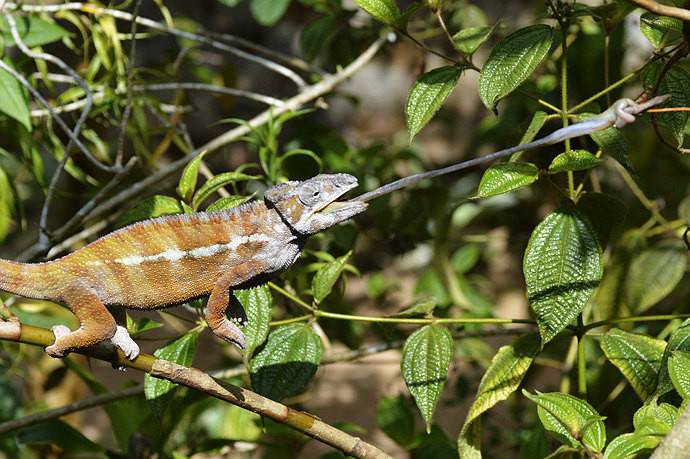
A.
pixel 106 119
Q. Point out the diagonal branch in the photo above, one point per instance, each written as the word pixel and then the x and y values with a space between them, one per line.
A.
pixel 196 379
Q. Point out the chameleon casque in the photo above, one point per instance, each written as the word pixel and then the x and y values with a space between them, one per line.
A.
pixel 168 260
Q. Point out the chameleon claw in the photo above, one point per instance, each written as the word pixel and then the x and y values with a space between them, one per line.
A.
pixel 55 350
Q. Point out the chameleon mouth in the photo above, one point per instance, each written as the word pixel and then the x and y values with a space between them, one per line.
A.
pixel 339 206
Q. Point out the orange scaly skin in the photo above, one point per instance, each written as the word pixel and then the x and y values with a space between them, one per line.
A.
pixel 165 261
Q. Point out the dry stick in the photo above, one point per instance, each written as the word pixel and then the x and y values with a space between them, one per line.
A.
pixel 198 380
pixel 619 114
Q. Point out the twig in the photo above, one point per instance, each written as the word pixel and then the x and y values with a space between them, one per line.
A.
pixel 664 10
pixel 125 16
pixel 196 379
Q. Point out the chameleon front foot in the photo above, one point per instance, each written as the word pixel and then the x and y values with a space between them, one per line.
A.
pixel 64 342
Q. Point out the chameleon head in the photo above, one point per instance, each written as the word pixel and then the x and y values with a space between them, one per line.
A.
pixel 310 206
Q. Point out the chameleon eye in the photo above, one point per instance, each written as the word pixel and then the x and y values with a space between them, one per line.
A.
pixel 309 194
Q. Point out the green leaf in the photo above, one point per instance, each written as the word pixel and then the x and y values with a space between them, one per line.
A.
pixel 33 31
pixel 187 183
pixel 314 36
pixel 506 177
pixel 675 82
pixel 574 160
pixel 470 440
pixel 384 11
pixel 679 371
pixel 268 12
pixel 395 418
pixel 229 202
pixel 217 182
pixel 257 303
pixel 160 392
pixel 630 445
pixel 504 375
pixel 611 141
pixel 470 39
pixel 142 325
pixel 326 277
pixel 424 365
pixel 155 206
pixel 58 433
pixel 420 309
pixel 661 31
pixel 287 362
pixel 638 357
pixel 512 61
pixel 654 274
pixel 562 269
pixel 654 419
pixel 570 420
pixel 679 341
pixel 535 125
pixel 427 95
pixel 14 103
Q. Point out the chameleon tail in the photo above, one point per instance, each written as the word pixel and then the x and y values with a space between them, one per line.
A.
pixel 30 280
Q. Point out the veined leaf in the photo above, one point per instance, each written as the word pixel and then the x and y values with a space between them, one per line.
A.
pixel 678 342
pixel 572 421
pixel 637 356
pixel 152 207
pixel 187 183
pixel 629 445
pixel 229 202
pixel 512 61
pixel 470 39
pixel 506 177
pixel 505 373
pixel 326 277
pixel 257 303
pixel 679 371
pixel 160 392
pixel 654 273
pixel 661 31
pixel 287 362
pixel 562 269
pixel 675 82
pixel 384 11
pixel 427 95
pixel 424 365
pixel 574 160
pixel 217 182
pixel 470 440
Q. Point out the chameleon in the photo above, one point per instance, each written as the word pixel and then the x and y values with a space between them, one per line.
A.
pixel 165 261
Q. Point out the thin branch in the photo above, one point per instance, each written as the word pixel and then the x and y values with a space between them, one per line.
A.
pixel 664 10
pixel 130 83
pixel 125 16
pixel 196 379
